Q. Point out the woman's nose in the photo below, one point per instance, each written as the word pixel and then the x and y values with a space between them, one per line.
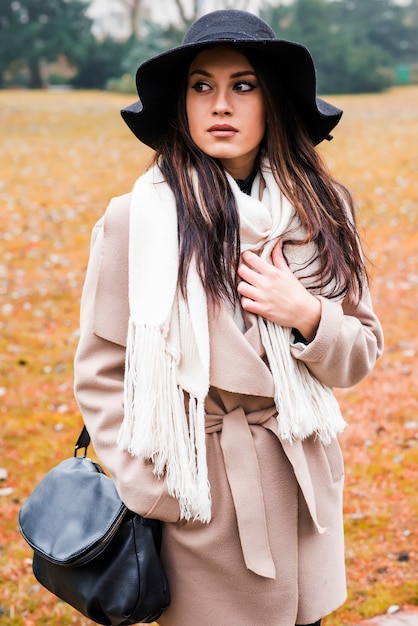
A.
pixel 222 105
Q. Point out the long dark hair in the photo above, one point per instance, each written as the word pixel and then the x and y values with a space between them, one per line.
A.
pixel 208 220
pixel 324 206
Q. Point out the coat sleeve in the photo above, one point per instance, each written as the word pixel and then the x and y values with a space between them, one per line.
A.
pixel 348 342
pixel 99 366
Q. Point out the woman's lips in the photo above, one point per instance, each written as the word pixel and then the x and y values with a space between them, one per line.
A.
pixel 222 130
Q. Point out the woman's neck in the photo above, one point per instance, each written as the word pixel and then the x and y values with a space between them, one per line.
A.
pixel 245 184
pixel 241 167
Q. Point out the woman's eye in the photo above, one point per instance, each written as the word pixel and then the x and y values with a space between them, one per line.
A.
pixel 200 87
pixel 244 86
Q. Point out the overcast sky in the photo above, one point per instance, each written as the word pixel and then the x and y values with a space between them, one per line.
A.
pixel 165 11
pixel 167 7
pixel 160 8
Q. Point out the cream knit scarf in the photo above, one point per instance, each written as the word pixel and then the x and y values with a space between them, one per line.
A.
pixel 168 344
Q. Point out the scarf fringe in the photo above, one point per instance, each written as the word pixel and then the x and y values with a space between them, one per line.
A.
pixel 305 406
pixel 155 424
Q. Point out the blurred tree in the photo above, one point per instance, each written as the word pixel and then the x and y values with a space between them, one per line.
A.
pixel 382 24
pixel 31 31
pixel 97 61
pixel 355 44
pixel 133 9
pixel 155 39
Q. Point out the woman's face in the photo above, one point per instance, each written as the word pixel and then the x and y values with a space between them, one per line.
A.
pixel 225 108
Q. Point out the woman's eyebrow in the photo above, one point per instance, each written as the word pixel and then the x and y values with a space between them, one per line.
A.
pixel 234 75
pixel 243 73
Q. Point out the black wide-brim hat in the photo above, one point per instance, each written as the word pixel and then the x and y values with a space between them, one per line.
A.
pixel 158 79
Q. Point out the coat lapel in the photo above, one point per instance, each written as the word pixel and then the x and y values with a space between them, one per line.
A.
pixel 229 347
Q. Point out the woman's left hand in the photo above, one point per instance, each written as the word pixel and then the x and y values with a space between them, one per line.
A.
pixel 275 293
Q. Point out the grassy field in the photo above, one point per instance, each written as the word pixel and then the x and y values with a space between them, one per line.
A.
pixel 62 156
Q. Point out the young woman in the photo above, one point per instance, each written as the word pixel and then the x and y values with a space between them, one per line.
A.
pixel 224 298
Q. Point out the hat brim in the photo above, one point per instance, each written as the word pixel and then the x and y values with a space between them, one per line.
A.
pixel 157 84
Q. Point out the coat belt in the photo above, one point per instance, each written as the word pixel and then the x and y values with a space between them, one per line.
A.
pixel 244 479
pixel 237 443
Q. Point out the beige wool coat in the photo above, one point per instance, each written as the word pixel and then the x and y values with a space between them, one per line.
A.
pixel 273 553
